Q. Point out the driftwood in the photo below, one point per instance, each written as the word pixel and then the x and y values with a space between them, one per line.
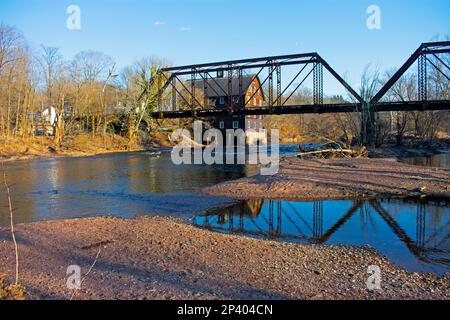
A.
pixel 330 153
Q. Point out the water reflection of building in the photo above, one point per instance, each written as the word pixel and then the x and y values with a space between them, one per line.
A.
pixel 251 208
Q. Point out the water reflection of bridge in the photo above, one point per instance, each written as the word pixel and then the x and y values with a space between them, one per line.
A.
pixel 249 218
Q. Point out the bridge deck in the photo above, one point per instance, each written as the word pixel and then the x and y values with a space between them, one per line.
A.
pixel 307 109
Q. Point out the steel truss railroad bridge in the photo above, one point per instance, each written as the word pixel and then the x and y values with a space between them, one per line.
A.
pixel 178 95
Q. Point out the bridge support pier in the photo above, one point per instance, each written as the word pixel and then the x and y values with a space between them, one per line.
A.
pixel 368 133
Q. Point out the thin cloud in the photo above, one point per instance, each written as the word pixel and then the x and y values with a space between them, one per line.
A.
pixel 159 23
pixel 184 29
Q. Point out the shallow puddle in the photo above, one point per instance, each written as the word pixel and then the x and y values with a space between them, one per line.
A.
pixel 438 160
pixel 411 233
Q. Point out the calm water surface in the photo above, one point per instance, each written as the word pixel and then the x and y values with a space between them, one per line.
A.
pixel 122 185
pixel 413 234
pixel 438 160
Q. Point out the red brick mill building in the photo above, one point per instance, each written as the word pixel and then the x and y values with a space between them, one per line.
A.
pixel 217 94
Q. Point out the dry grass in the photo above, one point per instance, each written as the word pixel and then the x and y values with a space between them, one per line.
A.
pixel 77 145
pixel 87 143
pixel 19 148
pixel 11 292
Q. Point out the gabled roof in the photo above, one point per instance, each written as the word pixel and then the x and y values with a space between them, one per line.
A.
pixel 218 87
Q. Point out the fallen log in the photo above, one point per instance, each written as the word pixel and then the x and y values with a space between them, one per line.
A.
pixel 328 153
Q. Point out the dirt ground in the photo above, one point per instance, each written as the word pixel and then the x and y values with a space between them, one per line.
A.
pixel 163 258
pixel 340 179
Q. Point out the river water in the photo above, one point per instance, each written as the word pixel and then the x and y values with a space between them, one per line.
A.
pixel 132 184
pixel 438 160
pixel 411 233
pixel 123 185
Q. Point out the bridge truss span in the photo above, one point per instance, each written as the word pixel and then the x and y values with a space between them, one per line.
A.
pixel 186 91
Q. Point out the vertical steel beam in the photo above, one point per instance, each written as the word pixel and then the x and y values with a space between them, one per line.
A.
pixel 315 87
pixel 317 220
pixel 280 212
pixel 271 66
pixel 230 89
pixel 158 92
pixel 271 209
pixel 231 221
pixel 205 90
pixel 422 77
pixel 318 83
pixel 174 94
pixel 241 97
pixel 241 221
pixel 420 226
pixel 193 80
pixel 279 86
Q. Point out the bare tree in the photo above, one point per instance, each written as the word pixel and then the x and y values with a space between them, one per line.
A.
pixel 370 82
pixel 12 56
pixel 405 89
pixel 11 46
pixel 55 79
pixel 141 82
pixel 92 66
pixel 94 70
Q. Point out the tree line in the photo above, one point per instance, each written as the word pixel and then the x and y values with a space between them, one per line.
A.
pixel 86 94
pixel 89 94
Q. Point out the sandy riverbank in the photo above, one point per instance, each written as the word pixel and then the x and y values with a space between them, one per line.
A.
pixel 163 258
pixel 338 179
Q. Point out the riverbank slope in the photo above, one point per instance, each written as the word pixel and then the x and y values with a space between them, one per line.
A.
pixel 76 146
pixel 163 258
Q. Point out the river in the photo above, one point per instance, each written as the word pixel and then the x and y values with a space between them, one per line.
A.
pixel 131 184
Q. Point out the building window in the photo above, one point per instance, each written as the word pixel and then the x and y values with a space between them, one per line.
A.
pixel 221 125
pixel 222 100
pixel 255 102
pixel 260 103
pixel 220 74
pixel 235 124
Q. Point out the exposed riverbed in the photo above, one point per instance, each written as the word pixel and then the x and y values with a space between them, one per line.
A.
pixel 138 184
pixel 162 258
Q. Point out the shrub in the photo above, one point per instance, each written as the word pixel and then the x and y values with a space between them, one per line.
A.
pixel 11 292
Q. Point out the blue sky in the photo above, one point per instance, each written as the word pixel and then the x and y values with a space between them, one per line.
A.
pixel 197 31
